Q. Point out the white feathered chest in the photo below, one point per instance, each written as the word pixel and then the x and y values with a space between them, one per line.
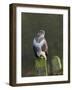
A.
pixel 38 46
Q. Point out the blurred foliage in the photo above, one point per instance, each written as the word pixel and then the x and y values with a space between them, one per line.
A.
pixel 40 62
pixel 56 66
pixel 40 67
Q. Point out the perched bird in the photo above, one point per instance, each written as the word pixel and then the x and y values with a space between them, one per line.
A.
pixel 40 45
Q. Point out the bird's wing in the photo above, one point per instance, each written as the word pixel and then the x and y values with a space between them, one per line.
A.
pixel 45 47
pixel 36 49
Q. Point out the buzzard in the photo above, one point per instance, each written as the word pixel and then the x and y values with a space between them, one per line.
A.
pixel 40 45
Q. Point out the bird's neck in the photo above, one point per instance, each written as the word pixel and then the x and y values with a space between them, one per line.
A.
pixel 39 39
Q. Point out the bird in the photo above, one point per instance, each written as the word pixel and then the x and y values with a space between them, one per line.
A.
pixel 40 45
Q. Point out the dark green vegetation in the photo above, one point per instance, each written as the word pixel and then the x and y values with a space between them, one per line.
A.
pixel 41 67
pixel 31 24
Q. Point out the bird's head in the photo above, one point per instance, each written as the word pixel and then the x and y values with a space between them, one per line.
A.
pixel 41 34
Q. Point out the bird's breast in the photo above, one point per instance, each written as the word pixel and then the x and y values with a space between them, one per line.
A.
pixel 39 44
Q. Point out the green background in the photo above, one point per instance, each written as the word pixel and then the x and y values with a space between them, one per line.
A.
pixel 31 24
